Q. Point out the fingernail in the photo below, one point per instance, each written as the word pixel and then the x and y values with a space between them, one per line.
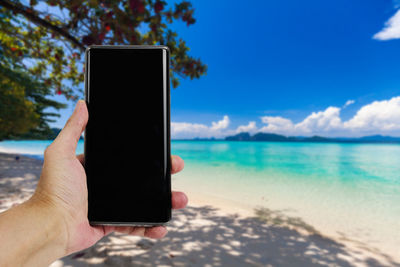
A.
pixel 173 164
pixel 78 105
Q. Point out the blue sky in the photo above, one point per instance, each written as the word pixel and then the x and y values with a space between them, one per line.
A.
pixel 289 67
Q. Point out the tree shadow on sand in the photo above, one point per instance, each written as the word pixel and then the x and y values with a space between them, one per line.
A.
pixel 18 179
pixel 201 236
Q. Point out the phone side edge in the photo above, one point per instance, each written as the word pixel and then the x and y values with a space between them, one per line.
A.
pixel 166 53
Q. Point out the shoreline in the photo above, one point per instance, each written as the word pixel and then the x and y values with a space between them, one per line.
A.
pixel 212 226
pixel 293 206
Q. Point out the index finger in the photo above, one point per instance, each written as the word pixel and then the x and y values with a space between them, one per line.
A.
pixel 177 164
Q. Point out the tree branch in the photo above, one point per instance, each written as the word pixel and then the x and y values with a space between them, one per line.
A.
pixel 20 9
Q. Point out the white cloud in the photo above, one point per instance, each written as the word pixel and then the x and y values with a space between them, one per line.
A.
pixel 190 130
pixel 378 117
pixel 220 125
pixel 348 103
pixel 320 122
pixel 249 128
pixel 277 124
pixel 391 29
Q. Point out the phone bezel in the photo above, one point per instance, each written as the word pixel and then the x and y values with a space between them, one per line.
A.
pixel 167 123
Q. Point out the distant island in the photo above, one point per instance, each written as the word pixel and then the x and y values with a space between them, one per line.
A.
pixel 270 137
pixel 258 137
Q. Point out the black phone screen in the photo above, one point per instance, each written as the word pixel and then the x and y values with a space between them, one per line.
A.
pixel 127 141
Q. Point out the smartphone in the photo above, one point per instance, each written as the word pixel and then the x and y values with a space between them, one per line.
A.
pixel 127 138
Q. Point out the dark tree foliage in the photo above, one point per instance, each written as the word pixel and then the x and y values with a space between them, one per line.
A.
pixel 42 44
pixel 49 37
pixel 23 105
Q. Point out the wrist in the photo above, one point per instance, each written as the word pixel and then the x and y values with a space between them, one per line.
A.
pixel 53 223
pixel 33 234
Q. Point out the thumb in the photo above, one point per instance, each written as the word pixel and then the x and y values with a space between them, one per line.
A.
pixel 67 139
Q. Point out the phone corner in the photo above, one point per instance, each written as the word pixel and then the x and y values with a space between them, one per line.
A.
pixel 89 48
pixel 166 221
pixel 167 218
pixel 165 48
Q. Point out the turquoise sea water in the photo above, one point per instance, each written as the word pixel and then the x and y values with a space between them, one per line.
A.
pixel 372 167
pixel 352 189
pixel 344 190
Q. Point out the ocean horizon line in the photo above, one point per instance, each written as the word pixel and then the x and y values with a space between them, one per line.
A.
pixel 272 137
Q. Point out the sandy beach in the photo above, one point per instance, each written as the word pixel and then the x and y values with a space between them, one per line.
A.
pixel 211 231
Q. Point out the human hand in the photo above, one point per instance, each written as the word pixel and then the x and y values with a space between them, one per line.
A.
pixel 62 189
